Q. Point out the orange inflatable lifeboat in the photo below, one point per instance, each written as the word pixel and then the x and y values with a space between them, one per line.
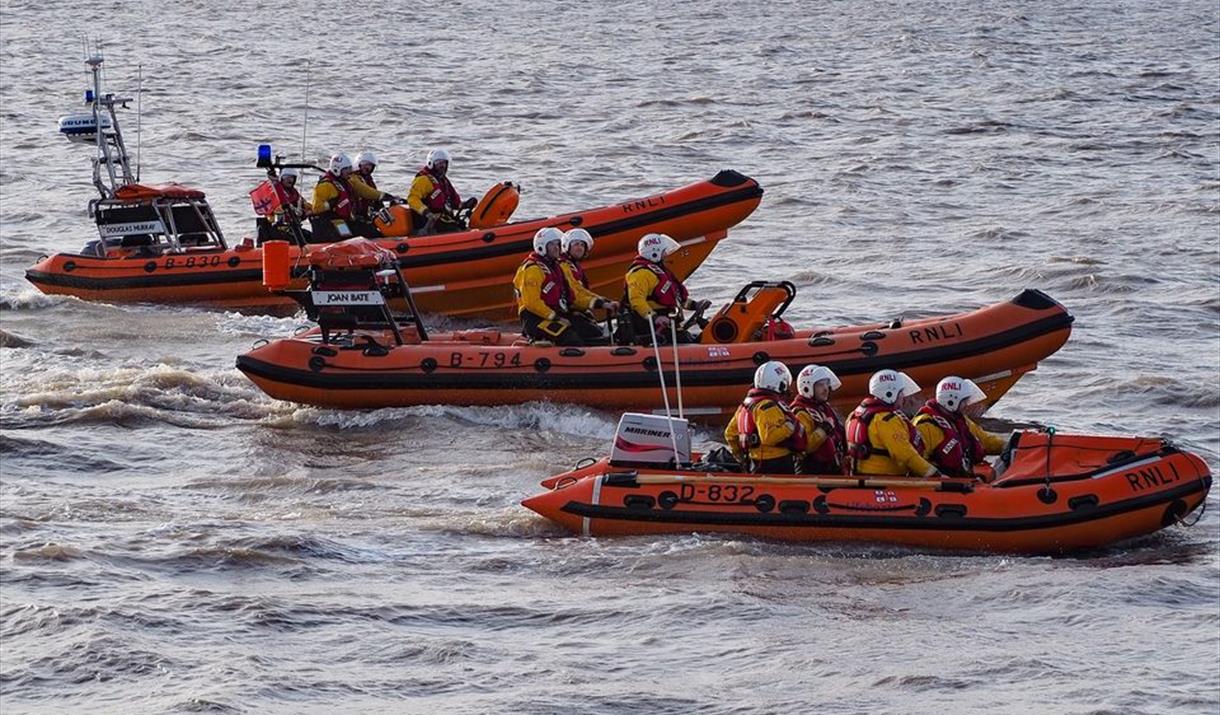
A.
pixel 1053 493
pixel 162 245
pixel 364 358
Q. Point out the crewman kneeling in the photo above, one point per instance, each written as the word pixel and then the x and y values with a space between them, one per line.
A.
pixel 544 298
pixel 577 243
pixel 952 441
pixel 826 447
pixel 654 294
pixel 763 434
pixel 880 440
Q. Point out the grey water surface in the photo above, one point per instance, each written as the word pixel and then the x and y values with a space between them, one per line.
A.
pixel 173 540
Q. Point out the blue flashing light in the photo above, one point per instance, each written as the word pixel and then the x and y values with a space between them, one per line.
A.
pixel 88 96
pixel 264 155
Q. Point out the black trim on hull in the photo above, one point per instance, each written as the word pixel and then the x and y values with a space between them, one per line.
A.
pixel 640 378
pixel 814 520
pixel 408 261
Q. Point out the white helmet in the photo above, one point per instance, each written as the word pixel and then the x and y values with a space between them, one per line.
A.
pixel 577 234
pixel 656 246
pixel 366 157
pixel 339 162
pixel 436 156
pixel 811 375
pixel 290 172
pixel 890 385
pixel 954 393
pixel 545 237
pixel 773 375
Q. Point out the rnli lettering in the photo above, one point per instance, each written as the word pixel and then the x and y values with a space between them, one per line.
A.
pixel 715 493
pixel 643 204
pixel 1149 478
pixel 485 359
pixel 936 333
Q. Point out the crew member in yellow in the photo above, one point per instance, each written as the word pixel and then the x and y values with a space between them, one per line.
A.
pixel 433 201
pixel 763 433
pixel 880 439
pixel 544 299
pixel 826 447
pixel 951 439
pixel 364 185
pixel 577 243
pixel 654 294
pixel 335 200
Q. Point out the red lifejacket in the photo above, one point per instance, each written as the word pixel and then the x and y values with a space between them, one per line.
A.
pixel 288 195
pixel 577 272
pixel 555 292
pixel 341 206
pixel 443 195
pixel 828 457
pixel 859 446
pixel 959 450
pixel 747 428
pixel 669 291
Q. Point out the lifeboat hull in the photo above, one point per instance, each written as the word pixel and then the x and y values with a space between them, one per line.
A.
pixel 994 346
pixel 1102 490
pixel 468 273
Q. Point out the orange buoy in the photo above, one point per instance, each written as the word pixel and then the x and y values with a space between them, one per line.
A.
pixel 496 206
pixel 277 267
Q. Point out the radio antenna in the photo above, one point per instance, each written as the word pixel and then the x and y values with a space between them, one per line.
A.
pixel 139 112
pixel 305 122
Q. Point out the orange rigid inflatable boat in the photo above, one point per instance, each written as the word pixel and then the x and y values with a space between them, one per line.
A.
pixel 1054 493
pixel 356 360
pixel 466 273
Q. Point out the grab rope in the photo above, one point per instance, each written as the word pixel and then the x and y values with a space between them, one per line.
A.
pixel 1202 510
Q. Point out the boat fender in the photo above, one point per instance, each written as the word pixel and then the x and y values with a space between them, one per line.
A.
pixel 951 511
pixel 794 506
pixel 276 268
pixel 1047 496
pixel 924 508
pixel 542 364
pixel 667 500
pixel 427 365
pixel 316 363
pixel 234 261
pixel 148 267
pixel 1083 502
pixel 764 503
pixel 820 505
pixel 868 349
pixel 649 363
